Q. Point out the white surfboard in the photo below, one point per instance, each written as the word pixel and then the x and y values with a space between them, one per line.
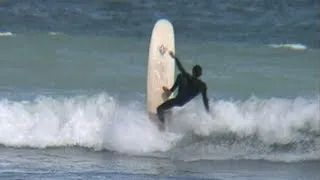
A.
pixel 160 65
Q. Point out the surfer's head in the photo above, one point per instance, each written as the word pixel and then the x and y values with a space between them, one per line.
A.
pixel 196 71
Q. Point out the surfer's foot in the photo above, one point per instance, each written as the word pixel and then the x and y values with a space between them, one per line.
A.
pixel 161 127
pixel 162 121
pixel 160 117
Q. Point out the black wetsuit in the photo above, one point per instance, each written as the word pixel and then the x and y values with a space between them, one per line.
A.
pixel 188 87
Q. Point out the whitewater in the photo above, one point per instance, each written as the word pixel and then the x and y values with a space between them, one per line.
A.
pixel 251 129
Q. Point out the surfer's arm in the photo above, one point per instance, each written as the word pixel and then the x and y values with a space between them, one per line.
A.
pixel 179 65
pixel 175 85
pixel 205 97
pixel 171 90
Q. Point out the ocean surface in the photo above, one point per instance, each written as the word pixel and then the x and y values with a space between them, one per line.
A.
pixel 73 83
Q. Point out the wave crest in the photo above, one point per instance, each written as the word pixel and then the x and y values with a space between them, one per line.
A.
pixel 251 129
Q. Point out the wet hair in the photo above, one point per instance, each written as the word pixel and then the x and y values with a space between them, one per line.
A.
pixel 197 71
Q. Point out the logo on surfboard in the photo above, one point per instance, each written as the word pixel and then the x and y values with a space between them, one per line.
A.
pixel 162 50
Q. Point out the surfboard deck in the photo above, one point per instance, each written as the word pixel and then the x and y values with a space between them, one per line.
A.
pixel 160 67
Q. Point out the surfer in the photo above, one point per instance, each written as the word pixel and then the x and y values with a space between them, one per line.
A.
pixel 189 86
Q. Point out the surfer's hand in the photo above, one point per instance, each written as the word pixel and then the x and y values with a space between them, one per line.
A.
pixel 166 90
pixel 171 54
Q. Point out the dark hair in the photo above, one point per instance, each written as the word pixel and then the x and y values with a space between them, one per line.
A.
pixel 197 71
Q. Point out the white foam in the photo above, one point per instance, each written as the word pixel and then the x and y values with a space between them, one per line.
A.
pixel 101 122
pixel 289 46
pixel 272 120
pixel 6 34
pixel 55 33
pixel 97 122
pixel 252 129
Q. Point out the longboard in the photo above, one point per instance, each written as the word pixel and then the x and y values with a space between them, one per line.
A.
pixel 160 66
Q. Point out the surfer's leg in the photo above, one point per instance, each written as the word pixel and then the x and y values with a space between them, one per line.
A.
pixel 165 106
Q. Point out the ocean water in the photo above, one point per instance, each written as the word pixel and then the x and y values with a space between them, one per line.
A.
pixel 73 82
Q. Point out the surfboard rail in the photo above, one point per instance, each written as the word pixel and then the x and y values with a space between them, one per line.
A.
pixel 161 66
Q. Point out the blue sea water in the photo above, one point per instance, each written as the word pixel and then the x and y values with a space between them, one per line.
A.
pixel 73 81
